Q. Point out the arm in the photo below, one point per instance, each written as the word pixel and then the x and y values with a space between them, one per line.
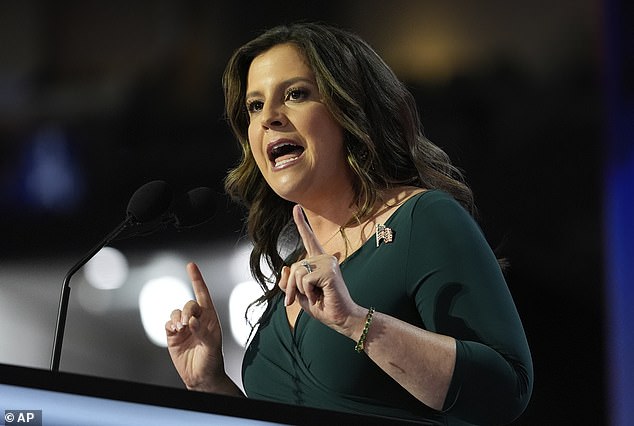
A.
pixel 460 292
pixel 471 360
pixel 420 361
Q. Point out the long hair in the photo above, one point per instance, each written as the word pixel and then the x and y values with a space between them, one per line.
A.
pixel 383 137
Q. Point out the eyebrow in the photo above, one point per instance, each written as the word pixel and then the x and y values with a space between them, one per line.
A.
pixel 284 83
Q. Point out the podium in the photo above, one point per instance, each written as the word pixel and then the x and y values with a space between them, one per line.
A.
pixel 66 399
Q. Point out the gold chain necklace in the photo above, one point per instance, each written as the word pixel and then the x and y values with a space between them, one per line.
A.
pixel 338 231
pixel 342 232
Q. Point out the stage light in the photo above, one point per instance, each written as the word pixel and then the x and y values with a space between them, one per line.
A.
pixel 242 295
pixel 239 263
pixel 157 299
pixel 107 270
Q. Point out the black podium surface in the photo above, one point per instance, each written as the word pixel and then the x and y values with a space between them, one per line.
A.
pixel 31 396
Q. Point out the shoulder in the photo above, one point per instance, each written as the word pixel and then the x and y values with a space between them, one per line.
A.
pixel 436 204
pixel 436 218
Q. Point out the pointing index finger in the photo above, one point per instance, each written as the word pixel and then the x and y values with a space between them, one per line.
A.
pixel 198 284
pixel 311 244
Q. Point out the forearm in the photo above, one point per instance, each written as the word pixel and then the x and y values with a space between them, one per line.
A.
pixel 422 362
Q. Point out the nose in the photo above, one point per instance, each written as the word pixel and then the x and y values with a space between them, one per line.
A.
pixel 272 116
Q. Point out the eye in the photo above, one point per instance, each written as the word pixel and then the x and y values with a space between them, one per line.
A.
pixel 296 94
pixel 254 106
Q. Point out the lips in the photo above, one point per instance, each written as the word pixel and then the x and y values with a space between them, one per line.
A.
pixel 283 152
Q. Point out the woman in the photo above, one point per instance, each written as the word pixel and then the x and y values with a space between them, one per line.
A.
pixel 394 303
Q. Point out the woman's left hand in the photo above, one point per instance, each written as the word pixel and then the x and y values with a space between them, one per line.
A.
pixel 316 283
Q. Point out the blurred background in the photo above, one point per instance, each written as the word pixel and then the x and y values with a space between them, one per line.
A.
pixel 98 98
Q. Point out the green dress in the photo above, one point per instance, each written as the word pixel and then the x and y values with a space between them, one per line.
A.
pixel 439 274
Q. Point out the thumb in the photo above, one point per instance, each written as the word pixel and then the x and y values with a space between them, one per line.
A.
pixel 194 326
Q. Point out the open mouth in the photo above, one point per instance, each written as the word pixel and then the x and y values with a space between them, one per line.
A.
pixel 284 152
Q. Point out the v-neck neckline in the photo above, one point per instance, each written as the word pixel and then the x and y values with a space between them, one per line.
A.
pixel 293 329
pixel 387 222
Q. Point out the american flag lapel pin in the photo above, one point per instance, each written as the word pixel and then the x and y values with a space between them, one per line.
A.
pixel 383 233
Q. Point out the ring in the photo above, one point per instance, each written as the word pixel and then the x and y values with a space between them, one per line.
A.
pixel 306 265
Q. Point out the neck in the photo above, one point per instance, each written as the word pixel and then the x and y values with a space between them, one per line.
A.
pixel 327 215
pixel 327 222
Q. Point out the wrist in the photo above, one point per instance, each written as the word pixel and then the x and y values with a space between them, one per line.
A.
pixel 360 346
pixel 211 378
pixel 355 323
pixel 214 384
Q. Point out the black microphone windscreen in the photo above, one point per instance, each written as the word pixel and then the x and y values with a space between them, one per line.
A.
pixel 194 208
pixel 150 201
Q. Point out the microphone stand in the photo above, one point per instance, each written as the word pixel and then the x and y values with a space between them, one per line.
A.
pixel 147 204
pixel 65 292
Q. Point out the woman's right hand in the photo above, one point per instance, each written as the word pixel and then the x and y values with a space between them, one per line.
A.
pixel 194 340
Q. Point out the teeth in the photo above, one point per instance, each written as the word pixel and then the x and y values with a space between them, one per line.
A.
pixel 281 163
pixel 285 144
pixel 285 153
pixel 281 147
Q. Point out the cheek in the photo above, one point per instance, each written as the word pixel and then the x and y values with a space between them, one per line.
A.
pixel 256 149
pixel 316 123
pixel 331 135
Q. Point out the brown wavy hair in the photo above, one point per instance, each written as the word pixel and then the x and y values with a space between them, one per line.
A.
pixel 384 140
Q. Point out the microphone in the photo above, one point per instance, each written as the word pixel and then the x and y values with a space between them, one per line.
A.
pixel 189 210
pixel 193 208
pixel 147 204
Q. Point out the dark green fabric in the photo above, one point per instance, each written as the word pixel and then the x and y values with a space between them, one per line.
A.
pixel 439 274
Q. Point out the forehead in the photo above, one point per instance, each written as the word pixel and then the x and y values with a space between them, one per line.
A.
pixel 280 62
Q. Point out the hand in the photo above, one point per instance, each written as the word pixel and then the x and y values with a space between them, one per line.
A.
pixel 194 338
pixel 322 293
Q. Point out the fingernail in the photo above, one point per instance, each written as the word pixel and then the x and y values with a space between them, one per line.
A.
pixel 179 326
pixel 286 299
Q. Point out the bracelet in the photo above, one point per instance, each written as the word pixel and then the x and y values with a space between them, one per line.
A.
pixel 368 320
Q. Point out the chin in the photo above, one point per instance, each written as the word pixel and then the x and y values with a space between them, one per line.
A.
pixel 286 188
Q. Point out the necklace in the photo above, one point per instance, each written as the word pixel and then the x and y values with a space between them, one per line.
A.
pixel 381 232
pixel 342 232
pixel 338 231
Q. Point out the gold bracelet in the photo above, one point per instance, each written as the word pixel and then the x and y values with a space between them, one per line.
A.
pixel 368 320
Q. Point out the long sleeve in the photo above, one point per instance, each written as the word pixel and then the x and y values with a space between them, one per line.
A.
pixel 461 292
